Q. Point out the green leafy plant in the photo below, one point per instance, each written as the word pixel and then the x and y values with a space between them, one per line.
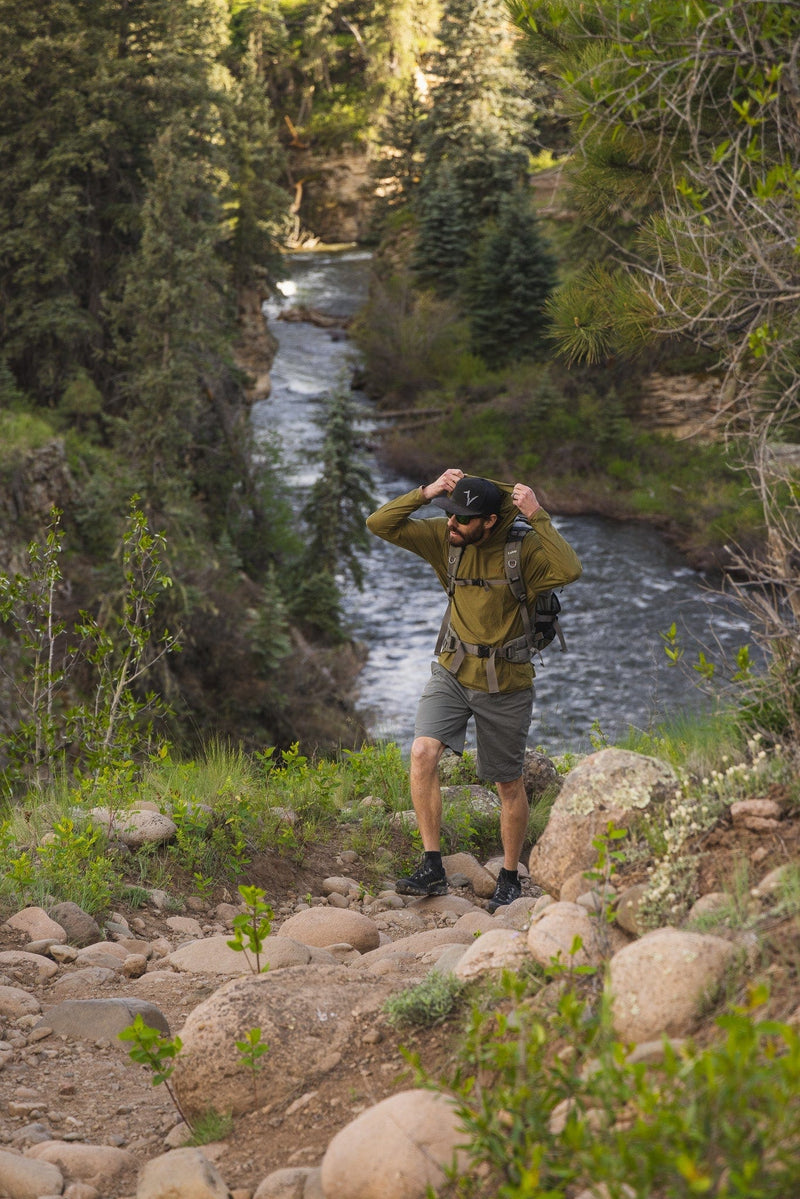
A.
pixel 607 860
pixel 251 928
pixel 251 1050
pixel 156 1051
pixel 552 1104
pixel 70 863
pixel 115 644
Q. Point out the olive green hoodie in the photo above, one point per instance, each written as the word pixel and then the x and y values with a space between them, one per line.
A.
pixel 482 615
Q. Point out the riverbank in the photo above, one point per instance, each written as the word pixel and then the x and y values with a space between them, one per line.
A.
pixel 585 455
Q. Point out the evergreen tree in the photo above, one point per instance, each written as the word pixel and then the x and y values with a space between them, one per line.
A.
pixel 510 278
pixel 171 321
pixel 341 498
pixel 474 138
pixel 444 231
pixel 334 516
pixel 88 89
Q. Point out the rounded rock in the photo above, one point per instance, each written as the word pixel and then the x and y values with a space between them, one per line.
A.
pixel 323 926
pixel 418 1133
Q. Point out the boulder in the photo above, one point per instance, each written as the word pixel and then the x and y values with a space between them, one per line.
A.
pixel 480 880
pixel 499 949
pixel 16 1002
pixel 80 928
pixel 610 786
pixel 471 795
pixel 307 1016
pixel 181 1174
pixel 552 935
pixel 24 1178
pixel 100 1166
pixel 517 914
pixel 213 955
pixel 293 1182
pixel 26 968
pixel 659 982
pixel 323 926
pixel 539 774
pixel 419 1137
pixel 101 1019
pixel 136 827
pixel 338 884
pixel 419 943
pixel 38 926
pixel 627 911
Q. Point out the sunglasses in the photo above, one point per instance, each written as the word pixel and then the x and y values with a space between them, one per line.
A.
pixel 464 520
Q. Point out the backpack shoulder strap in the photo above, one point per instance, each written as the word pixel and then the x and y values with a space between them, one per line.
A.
pixel 513 568
pixel 453 559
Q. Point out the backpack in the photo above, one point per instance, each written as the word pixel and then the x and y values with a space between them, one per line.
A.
pixel 541 625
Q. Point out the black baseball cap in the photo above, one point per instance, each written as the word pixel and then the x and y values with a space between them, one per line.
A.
pixel 471 497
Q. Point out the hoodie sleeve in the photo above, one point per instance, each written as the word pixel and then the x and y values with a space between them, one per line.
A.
pixel 393 522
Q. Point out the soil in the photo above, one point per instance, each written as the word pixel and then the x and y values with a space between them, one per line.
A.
pixel 91 1092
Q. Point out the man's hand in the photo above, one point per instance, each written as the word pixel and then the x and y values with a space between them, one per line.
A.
pixel 525 500
pixel 444 484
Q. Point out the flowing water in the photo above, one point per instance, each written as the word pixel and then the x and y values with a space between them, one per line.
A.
pixel 634 586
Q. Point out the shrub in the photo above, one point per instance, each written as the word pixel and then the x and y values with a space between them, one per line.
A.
pixel 429 1002
pixel 719 1120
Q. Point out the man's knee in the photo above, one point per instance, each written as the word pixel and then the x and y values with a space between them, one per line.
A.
pixel 513 791
pixel 425 753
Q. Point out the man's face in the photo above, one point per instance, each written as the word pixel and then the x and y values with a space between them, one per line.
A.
pixel 472 533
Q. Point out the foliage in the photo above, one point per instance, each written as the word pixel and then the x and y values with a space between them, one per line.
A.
pixel 691 110
pixel 508 281
pixel 116 643
pixel 211 1127
pixel 251 1050
pixel 473 140
pixel 411 341
pixel 427 1003
pixel 71 863
pixel 716 1120
pixel 341 497
pixel 250 928
pixel 156 1051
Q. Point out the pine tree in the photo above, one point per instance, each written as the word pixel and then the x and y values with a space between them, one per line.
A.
pixel 341 497
pixel 474 138
pixel 511 275
pixel 171 321
pixel 445 230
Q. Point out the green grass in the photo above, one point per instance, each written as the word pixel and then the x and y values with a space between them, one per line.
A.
pixel 20 433
pixel 697 743
pixel 429 1002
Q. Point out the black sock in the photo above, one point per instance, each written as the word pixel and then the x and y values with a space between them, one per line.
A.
pixel 433 857
pixel 512 875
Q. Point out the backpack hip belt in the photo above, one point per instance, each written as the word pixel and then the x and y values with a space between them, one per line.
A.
pixel 517 650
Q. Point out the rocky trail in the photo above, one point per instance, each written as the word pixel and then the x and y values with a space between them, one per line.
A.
pixel 79 1118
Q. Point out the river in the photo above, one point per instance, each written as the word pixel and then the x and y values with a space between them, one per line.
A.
pixel 634 586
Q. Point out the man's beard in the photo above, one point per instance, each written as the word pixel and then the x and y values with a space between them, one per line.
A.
pixel 464 535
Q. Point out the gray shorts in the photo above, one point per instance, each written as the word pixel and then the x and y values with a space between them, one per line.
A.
pixel 502 721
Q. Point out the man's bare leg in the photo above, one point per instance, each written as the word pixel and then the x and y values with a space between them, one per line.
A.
pixel 514 812
pixel 513 827
pixel 426 792
pixel 426 795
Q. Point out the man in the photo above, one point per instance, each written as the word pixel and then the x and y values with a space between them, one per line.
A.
pixel 481 671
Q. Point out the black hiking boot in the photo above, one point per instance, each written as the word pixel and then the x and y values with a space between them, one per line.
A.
pixel 507 890
pixel 427 879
